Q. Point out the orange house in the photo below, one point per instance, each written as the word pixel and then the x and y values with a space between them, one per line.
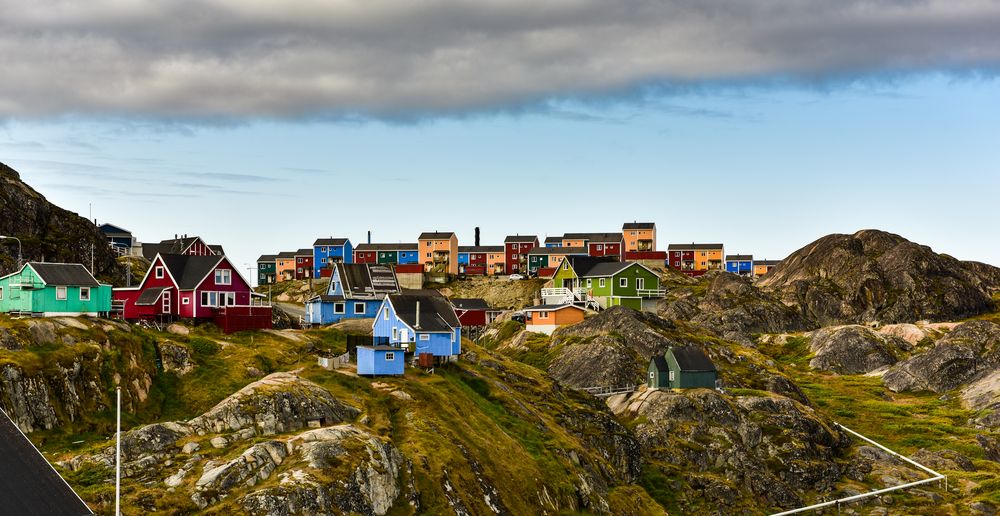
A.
pixel 762 267
pixel 495 263
pixel 639 236
pixel 438 251
pixel 546 318
pixel 285 266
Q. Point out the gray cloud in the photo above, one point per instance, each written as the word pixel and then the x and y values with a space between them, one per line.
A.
pixel 223 60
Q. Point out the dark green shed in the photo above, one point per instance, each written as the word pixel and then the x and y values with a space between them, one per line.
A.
pixel 681 368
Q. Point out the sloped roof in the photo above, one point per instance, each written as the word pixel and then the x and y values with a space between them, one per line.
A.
pixel 367 279
pixel 690 358
pixel 480 248
pixel 558 250
pixel 693 247
pixel 386 247
pixel 330 241
pixel 436 235
pixel 189 271
pixel 767 262
pixel 286 254
pixel 593 266
pixel 739 257
pixel 111 229
pixel 150 296
pixel 436 313
pixel 175 246
pixel 267 258
pixel 63 274
pixel 520 239
pixel 470 304
pixel 304 252
pixel 553 240
pixel 660 363
pixel 638 225
pixel 596 238
pixel 605 269
pixel 28 483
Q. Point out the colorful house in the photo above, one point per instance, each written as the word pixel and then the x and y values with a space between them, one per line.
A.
pixel 191 246
pixel 496 262
pixel 474 311
pixel 400 254
pixel 54 289
pixel 597 244
pixel 121 240
pixel 380 361
pixel 303 264
pixel 741 264
pixel 516 248
pixel 762 267
pixel 193 287
pixel 546 318
pixel 695 259
pixel 551 257
pixel 356 291
pixel 553 241
pixel 439 252
pixel 473 260
pixel 685 367
pixel 419 323
pixel 284 266
pixel 267 269
pixel 639 236
pixel 328 251
pixel 606 282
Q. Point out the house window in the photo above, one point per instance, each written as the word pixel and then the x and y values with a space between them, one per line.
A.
pixel 227 298
pixel 186 301
pixel 453 336
pixel 159 273
pixel 84 293
pixel 385 313
pixel 359 308
pixel 425 336
pixel 61 293
pixel 1 292
pixel 651 375
pixel 671 375
pixel 395 334
pixel 543 315
pixel 601 282
pixel 209 299
pixel 590 283
pixel 428 255
pixel 390 356
pixel 622 282
pixel 600 247
pixel 223 277
pixel 338 308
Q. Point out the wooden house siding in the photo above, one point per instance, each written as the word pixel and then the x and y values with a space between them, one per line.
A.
pixel 25 291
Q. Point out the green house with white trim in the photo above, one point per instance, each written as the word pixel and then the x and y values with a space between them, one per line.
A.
pixel 608 282
pixel 54 290
pixel 685 367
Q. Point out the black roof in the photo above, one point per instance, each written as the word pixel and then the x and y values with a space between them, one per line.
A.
pixel 304 252
pixel 739 257
pixel 693 247
pixel 690 358
pixel 61 274
pixel 174 246
pixel 367 279
pixel 189 271
pixel 436 235
pixel 267 258
pixel 150 296
pixel 111 229
pixel 521 239
pixel 638 225
pixel 553 240
pixel 767 262
pixel 595 237
pixel 470 304
pixel 286 254
pixel 660 363
pixel 436 313
pixel 591 266
pixel 558 250
pixel 386 247
pixel 480 248
pixel 28 483
pixel 330 241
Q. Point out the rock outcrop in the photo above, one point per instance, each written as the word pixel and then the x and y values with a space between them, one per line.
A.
pixel 874 276
pixel 969 352
pixel 854 349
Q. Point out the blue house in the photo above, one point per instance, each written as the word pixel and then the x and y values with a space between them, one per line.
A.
pixel 121 240
pixel 553 241
pixel 741 264
pixel 356 291
pixel 327 251
pixel 420 322
pixel 380 361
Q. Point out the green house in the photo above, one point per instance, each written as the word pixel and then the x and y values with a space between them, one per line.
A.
pixel 609 282
pixel 267 269
pixel 54 289
pixel 681 368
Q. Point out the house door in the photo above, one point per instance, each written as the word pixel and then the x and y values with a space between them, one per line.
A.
pixel 166 302
pixel 640 283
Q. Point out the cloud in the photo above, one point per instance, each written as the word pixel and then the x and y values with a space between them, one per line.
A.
pixel 210 61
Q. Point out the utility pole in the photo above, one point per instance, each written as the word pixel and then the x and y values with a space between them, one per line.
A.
pixel 118 454
pixel 92 258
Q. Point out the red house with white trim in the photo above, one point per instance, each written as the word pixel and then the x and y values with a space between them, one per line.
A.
pixel 516 248
pixel 193 287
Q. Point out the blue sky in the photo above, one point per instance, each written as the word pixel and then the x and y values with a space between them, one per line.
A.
pixel 262 125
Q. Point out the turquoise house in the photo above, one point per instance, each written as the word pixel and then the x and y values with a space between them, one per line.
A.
pixel 54 290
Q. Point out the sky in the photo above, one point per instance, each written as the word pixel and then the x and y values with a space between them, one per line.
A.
pixel 262 126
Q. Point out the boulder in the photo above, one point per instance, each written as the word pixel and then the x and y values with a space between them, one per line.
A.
pixel 178 329
pixel 969 352
pixel 945 460
pixel 175 358
pixel 853 349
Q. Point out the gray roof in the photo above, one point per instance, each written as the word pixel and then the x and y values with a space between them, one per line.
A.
pixel 738 257
pixel 267 258
pixel 286 254
pixel 520 239
pixel 150 296
pixel 174 246
pixel 386 247
pixel 596 238
pixel 330 241
pixel 28 483
pixel 436 235
pixel 558 250
pixel 660 363
pixel 553 240
pixel 767 262
pixel 594 266
pixel 436 313
pixel 690 358
pixel 693 247
pixel 64 274
pixel 638 225
pixel 470 304
pixel 304 252
pixel 189 271
pixel 367 279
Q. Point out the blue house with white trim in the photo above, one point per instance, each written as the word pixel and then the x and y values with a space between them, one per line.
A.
pixel 420 322
pixel 741 264
pixel 327 251
pixel 356 291
pixel 380 361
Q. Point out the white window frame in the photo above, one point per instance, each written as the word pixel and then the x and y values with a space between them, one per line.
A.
pixel 82 290
pixel 395 334
pixel 1 293
pixel 640 283
pixel 159 272
pixel 186 301
pixel 342 307
pixel 385 314
pixel 590 283
pixel 452 336
pixel 357 306
pixel 61 293
pixel 223 277
pixel 209 299
pixel 227 298
pixel 602 282
pixel 623 282
pixel 425 336
pixel 390 356
pixel 671 375
pixel 543 314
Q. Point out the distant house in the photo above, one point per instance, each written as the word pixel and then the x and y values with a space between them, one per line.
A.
pixel 473 312
pixel 597 244
pixel 191 246
pixel 741 264
pixel 303 264
pixel 285 266
pixel 121 240
pixel 762 267
pixel 639 236
pixel 496 262
pixel 267 269
pixel 439 252
pixel 356 291
pixel 380 361
pixel 695 259
pixel 516 249
pixel 605 281
pixel 328 251
pixel 547 318
pixel 419 323
pixel 553 241
pixel 474 260
pixel 551 257
pixel 387 254
pixel 54 289
pixel 681 368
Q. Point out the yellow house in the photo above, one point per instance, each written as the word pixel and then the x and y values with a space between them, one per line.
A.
pixel 696 258
pixel 639 236
pixel 762 267
pixel 438 251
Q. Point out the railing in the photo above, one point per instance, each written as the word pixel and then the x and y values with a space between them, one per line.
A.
pixel 576 294
pixel 651 292
pixel 604 392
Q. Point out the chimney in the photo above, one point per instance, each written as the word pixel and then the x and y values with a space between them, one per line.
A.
pixel 369 236
pixel 417 323
pixel 477 236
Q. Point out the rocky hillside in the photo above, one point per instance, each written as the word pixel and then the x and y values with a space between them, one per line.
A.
pixel 874 276
pixel 49 232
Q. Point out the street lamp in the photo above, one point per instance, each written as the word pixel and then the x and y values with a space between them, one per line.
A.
pixel 18 248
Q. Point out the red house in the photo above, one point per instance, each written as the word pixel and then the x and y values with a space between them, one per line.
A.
pixel 516 248
pixel 474 312
pixel 598 244
pixel 193 287
pixel 303 264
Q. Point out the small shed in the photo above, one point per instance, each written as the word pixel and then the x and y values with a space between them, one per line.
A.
pixel 380 361
pixel 682 368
